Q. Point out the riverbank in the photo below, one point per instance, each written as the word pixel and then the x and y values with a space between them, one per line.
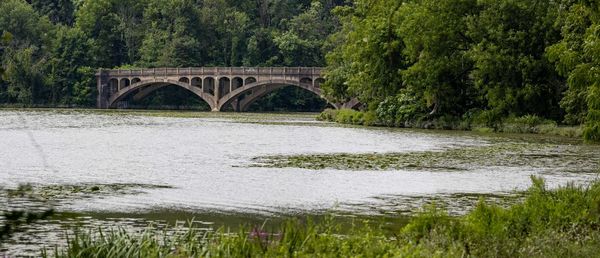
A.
pixel 564 222
pixel 522 125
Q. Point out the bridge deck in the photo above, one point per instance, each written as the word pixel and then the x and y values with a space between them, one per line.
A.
pixel 214 71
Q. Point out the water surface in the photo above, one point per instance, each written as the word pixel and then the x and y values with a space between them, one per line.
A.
pixel 206 162
pixel 174 166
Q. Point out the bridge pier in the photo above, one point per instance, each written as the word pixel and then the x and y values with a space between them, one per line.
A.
pixel 103 89
pixel 235 105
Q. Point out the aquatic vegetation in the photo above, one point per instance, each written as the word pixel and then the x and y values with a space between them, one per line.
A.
pixel 506 154
pixel 14 216
pixel 70 191
pixel 564 222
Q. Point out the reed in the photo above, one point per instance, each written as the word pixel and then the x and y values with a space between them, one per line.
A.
pixel 563 222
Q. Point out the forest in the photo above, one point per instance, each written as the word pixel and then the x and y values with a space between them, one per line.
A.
pixel 406 60
pixel 482 61
pixel 51 49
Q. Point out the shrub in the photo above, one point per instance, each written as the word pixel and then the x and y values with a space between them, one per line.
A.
pixel 327 115
pixel 487 118
pixel 591 132
pixel 370 118
pixel 396 110
pixel 567 218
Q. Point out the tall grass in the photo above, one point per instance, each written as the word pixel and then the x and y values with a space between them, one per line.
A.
pixel 564 222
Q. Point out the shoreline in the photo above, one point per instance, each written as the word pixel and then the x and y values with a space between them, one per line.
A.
pixel 369 119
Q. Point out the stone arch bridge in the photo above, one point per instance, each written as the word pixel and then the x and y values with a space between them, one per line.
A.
pixel 237 87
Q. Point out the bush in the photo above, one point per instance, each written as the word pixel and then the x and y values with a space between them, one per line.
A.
pixel 529 120
pixel 487 118
pixel 488 121
pixel 399 109
pixel 567 219
pixel 327 115
pixel 348 116
pixel 370 118
pixel 591 131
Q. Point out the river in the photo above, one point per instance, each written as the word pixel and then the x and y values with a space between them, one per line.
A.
pixel 204 163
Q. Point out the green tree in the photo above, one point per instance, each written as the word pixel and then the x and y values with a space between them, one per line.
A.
pixel 59 11
pixel 229 29
pixel 26 39
pixel 84 87
pixel 69 55
pixel 302 43
pixel 511 67
pixel 24 76
pixel 437 47
pixel 171 39
pixel 577 57
pixel 113 27
pixel 369 61
pixel 26 27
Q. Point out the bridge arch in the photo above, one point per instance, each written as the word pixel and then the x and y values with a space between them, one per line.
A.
pixel 113 85
pixel 208 86
pixel 250 80
pixel 148 86
pixel 224 86
pixel 236 82
pixel 197 82
pixel 124 83
pixel 306 80
pixel 259 89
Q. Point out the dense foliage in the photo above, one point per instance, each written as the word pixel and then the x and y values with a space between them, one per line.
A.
pixel 415 60
pixel 548 223
pixel 50 49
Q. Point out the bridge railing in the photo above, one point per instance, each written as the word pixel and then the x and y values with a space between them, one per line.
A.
pixel 213 71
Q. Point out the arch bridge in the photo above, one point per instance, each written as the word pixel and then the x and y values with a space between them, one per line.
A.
pixel 220 87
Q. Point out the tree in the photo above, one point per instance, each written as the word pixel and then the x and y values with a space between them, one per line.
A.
pixel 511 67
pixel 59 11
pixel 69 56
pixel 171 39
pixel 577 57
pixel 24 75
pixel 26 38
pixel 437 49
pixel 111 25
pixel 26 27
pixel 302 43
pixel 368 62
pixel 229 29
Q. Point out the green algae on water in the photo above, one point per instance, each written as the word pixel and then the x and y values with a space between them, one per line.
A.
pixel 579 159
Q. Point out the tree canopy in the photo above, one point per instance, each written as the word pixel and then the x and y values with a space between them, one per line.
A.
pixel 470 59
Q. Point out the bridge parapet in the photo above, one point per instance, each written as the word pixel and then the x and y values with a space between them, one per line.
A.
pixel 214 71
